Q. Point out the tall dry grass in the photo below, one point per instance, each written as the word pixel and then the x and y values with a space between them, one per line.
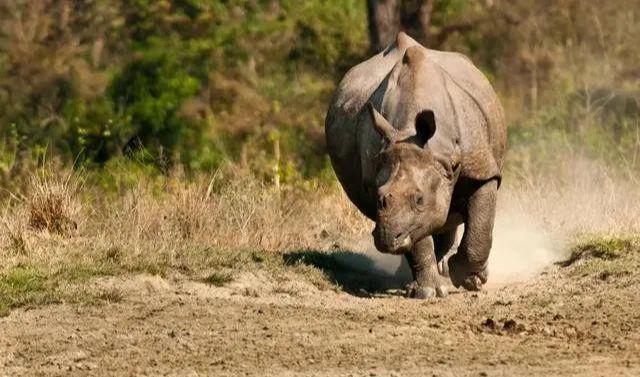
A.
pixel 231 221
pixel 177 225
pixel 577 196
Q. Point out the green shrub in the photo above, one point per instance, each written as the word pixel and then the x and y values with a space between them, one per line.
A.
pixel 150 92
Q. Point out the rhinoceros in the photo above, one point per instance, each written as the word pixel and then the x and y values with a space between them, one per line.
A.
pixel 417 139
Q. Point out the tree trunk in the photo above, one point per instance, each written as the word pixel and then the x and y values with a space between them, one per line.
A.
pixel 384 22
pixel 415 17
pixel 388 17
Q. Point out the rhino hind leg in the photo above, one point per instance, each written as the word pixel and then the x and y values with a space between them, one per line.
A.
pixel 443 247
pixel 427 282
pixel 443 242
pixel 468 267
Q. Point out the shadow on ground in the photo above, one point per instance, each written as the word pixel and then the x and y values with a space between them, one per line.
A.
pixel 357 273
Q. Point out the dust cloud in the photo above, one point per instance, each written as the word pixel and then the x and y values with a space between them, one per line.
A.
pixel 539 215
pixel 521 250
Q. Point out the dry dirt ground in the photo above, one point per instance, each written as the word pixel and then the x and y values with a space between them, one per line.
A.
pixel 582 319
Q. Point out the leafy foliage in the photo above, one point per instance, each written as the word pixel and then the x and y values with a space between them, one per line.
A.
pixel 202 82
pixel 173 80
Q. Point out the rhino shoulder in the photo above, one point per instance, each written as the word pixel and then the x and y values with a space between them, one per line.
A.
pixel 360 82
pixel 485 157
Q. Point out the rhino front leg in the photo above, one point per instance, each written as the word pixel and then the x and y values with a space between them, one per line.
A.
pixel 468 267
pixel 426 279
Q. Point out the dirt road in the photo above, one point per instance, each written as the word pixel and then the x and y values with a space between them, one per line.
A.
pixel 583 319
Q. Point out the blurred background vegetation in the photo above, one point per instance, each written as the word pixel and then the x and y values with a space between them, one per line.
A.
pixel 198 84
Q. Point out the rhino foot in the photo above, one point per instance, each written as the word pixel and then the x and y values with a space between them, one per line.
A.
pixel 472 283
pixel 461 276
pixel 415 290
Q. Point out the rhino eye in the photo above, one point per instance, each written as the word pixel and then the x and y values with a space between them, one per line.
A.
pixel 419 200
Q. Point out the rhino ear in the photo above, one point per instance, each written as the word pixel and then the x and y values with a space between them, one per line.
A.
pixel 425 126
pixel 384 128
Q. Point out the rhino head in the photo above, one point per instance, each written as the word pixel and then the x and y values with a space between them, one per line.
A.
pixel 414 185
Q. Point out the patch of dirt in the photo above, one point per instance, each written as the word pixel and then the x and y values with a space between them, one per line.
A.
pixel 559 323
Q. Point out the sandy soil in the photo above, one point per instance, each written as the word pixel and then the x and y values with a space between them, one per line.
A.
pixel 559 323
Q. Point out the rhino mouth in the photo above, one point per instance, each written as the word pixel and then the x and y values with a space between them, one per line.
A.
pixel 387 243
pixel 404 243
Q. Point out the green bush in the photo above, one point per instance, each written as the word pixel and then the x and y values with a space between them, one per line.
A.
pixel 150 92
pixel 201 82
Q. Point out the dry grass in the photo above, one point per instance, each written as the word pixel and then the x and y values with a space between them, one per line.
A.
pixel 199 228
pixel 52 202
pixel 214 227
pixel 575 196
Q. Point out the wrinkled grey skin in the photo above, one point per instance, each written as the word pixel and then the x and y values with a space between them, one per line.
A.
pixel 417 139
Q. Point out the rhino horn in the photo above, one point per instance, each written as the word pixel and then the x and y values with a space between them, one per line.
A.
pixel 384 128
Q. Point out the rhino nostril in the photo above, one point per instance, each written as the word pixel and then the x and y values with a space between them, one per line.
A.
pixel 398 236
